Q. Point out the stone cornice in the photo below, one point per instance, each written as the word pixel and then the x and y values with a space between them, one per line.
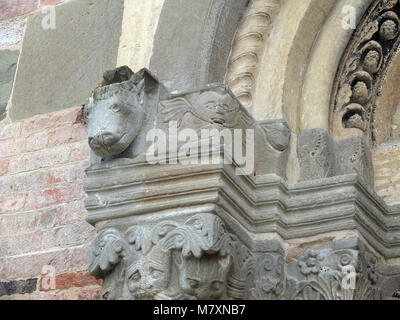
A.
pixel 262 204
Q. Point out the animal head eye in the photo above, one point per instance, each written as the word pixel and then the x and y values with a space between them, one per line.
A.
pixel 115 108
pixel 194 284
pixel 156 274
pixel 135 276
pixel 228 108
pixel 217 285
pixel 86 113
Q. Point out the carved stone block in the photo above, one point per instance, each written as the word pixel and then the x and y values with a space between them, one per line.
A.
pixel 321 157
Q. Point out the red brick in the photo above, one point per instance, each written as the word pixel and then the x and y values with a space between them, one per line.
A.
pixel 12 130
pixel 37 123
pixel 4 167
pixel 79 258
pixel 46 198
pixel 22 243
pixel 49 2
pixel 67 134
pixel 42 122
pixel 39 159
pixel 6 185
pixel 12 8
pixel 71 212
pixel 70 173
pixel 37 141
pixel 80 151
pixel 47 218
pixel 11 147
pixel 72 115
pixel 68 235
pixel 16 223
pixel 73 280
pixel 28 181
pixel 89 294
pixel 31 265
pixel 51 295
pixel 12 202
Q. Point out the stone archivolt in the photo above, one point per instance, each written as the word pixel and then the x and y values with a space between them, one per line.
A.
pixel 248 47
pixel 363 70
pixel 195 240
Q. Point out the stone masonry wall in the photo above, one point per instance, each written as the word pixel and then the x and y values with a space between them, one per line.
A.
pixel 387 172
pixel 42 163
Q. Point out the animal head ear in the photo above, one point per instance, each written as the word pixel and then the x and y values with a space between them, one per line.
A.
pixel 140 86
pixel 140 91
pixel 87 107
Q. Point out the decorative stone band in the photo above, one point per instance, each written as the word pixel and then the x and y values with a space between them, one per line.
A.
pixel 261 205
pixel 362 70
pixel 197 257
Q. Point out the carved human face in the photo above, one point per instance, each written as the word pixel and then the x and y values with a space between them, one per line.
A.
pixel 371 61
pixel 389 30
pixel 150 275
pixel 360 92
pixel 114 123
pixel 216 107
pixel 203 278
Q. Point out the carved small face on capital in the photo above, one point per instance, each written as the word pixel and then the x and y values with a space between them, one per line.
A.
pixel 389 30
pixel 114 115
pixel 150 275
pixel 371 61
pixel 217 107
pixel 203 278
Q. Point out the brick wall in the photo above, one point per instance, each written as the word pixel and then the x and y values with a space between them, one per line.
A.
pixel 42 163
pixel 387 172
pixel 13 8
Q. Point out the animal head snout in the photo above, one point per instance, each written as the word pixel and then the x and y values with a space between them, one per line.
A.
pixel 103 139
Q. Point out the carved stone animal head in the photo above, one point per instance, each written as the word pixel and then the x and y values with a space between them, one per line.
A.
pixel 150 275
pixel 203 278
pixel 115 114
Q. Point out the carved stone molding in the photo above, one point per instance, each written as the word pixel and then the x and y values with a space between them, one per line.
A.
pixel 363 69
pixel 248 47
pixel 169 230
pixel 321 157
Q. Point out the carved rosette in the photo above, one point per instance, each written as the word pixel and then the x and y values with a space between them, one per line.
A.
pixel 341 273
pixel 362 69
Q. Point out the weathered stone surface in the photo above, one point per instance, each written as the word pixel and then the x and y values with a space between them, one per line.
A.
pixel 321 157
pixel 48 78
pixel 8 65
pixel 12 32
pixel 196 54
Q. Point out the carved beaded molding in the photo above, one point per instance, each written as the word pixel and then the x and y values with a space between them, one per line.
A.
pixel 187 231
pixel 363 68
pixel 248 47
